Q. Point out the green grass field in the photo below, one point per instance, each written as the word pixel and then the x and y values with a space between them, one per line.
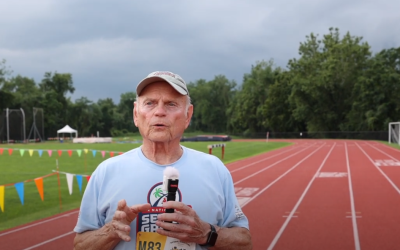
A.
pixel 16 168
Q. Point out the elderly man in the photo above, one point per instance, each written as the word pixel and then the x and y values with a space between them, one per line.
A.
pixel 124 204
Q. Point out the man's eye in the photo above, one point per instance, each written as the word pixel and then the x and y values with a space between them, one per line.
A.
pixel 172 104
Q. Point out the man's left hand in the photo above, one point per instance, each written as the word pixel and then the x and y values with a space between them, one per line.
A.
pixel 189 227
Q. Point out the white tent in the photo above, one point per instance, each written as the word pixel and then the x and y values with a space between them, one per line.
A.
pixel 67 129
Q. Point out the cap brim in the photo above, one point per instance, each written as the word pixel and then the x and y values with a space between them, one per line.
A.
pixel 153 79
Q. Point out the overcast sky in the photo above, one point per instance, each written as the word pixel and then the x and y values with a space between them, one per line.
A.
pixel 109 46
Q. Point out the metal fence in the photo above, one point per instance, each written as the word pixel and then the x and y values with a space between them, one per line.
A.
pixel 359 135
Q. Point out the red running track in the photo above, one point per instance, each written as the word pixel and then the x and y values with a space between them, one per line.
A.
pixel 315 194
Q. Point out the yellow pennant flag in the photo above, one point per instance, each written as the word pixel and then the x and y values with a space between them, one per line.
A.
pixel 85 150
pixel 30 152
pixel 2 198
pixel 39 185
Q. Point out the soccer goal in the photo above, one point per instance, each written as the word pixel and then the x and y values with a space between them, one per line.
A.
pixel 394 132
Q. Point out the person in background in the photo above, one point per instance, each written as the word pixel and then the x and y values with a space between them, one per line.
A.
pixel 124 203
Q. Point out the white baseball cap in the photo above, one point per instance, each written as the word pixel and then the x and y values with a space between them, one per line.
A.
pixel 173 79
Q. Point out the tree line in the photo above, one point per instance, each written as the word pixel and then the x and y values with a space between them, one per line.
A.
pixel 335 84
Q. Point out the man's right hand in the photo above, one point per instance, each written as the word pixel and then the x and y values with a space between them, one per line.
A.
pixel 124 216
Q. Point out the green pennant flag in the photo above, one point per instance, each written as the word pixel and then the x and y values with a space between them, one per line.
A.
pixel 79 152
pixel 22 151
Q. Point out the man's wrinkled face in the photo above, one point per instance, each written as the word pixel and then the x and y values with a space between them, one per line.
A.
pixel 161 113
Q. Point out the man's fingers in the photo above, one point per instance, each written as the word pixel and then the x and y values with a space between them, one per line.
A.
pixel 121 205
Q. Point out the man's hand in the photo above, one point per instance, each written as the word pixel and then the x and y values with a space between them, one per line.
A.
pixel 124 216
pixel 190 227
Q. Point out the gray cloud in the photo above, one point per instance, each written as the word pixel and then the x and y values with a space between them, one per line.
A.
pixel 109 46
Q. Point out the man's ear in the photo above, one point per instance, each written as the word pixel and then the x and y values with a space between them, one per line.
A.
pixel 189 115
pixel 135 107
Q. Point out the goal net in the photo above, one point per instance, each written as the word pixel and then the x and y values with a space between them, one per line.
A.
pixel 12 126
pixel 394 132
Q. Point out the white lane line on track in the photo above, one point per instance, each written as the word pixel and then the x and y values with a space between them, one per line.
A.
pixel 264 159
pixel 38 223
pixel 280 177
pixel 380 170
pixel 353 208
pixel 393 158
pixel 278 235
pixel 269 166
pixel 47 241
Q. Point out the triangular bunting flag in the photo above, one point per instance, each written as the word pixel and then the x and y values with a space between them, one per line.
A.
pixel 2 198
pixel 70 153
pixel 79 179
pixel 94 153
pixel 39 185
pixel 50 152
pixel 103 153
pixel 21 152
pixel 59 153
pixel 88 178
pixel 120 153
pixel 79 152
pixel 111 154
pixel 20 189
pixel 40 152
pixel 85 150
pixel 1 151
pixel 10 150
pixel 70 178
pixel 30 152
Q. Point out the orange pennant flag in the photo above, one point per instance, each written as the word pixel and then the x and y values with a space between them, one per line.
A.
pixel 1 151
pixel 10 150
pixel 70 153
pixel 111 154
pixel 120 153
pixel 39 185
pixel 59 152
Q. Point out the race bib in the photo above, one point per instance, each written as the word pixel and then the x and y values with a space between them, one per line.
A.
pixel 148 239
pixel 155 241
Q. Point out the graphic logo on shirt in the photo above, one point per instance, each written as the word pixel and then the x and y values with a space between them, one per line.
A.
pixel 146 221
pixel 157 196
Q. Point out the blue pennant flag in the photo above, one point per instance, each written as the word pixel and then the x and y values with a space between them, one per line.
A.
pixel 79 179
pixel 94 153
pixel 40 152
pixel 20 189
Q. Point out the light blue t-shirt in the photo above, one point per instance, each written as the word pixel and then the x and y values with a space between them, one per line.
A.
pixel 205 184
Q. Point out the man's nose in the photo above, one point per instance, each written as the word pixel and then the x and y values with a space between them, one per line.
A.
pixel 160 109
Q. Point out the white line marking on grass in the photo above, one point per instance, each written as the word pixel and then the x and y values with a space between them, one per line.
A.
pixel 256 173
pixel 380 170
pixel 280 177
pixel 264 159
pixel 278 235
pixel 38 223
pixel 353 209
pixel 47 241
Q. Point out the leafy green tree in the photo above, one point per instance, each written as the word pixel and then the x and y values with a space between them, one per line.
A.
pixel 277 111
pixel 6 98
pixel 54 88
pixel 107 108
pixel 246 110
pixel 123 117
pixel 376 101
pixel 324 77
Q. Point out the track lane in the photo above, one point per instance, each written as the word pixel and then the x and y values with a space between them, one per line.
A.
pixel 281 186
pixel 376 200
pixel 320 220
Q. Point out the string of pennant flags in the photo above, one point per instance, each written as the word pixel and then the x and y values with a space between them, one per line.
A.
pixel 19 186
pixel 59 151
